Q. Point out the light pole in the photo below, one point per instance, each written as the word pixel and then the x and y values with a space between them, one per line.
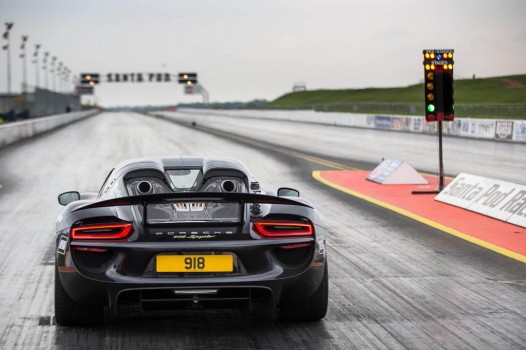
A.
pixel 52 71
pixel 59 74
pixel 24 63
pixel 35 61
pixel 65 72
pixel 46 76
pixel 8 26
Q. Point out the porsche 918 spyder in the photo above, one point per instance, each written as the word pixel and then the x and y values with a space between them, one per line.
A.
pixel 183 232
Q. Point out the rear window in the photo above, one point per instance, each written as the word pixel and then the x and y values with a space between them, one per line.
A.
pixel 184 179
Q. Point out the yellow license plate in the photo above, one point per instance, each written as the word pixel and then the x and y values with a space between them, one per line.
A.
pixel 195 263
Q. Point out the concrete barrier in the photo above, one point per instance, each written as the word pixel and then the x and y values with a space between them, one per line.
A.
pixel 492 129
pixel 14 132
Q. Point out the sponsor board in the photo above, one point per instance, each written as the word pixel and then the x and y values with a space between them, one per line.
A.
pixel 504 130
pixel 465 128
pixel 453 127
pixel 382 122
pixel 396 123
pixel 370 121
pixel 430 127
pixel 485 129
pixel 189 90
pixel 417 124
pixel 519 130
pixel 501 200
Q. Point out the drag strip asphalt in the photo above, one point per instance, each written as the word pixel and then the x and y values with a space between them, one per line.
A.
pixel 394 283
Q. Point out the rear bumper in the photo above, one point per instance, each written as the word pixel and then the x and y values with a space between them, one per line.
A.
pixel 93 292
pixel 265 275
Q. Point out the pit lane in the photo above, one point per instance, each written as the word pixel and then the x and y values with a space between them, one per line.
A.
pixel 394 283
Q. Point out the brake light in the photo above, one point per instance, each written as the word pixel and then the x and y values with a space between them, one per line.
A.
pixel 104 231
pixel 283 229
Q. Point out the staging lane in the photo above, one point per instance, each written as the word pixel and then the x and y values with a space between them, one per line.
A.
pixel 394 283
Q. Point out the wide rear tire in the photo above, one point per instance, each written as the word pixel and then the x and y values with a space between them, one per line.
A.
pixel 70 313
pixel 312 308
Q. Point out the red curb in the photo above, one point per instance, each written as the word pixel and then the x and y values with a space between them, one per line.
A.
pixel 484 228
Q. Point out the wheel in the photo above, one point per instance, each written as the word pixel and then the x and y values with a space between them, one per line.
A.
pixel 70 313
pixel 312 308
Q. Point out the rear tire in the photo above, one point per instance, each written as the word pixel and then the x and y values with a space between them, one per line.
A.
pixel 70 313
pixel 311 308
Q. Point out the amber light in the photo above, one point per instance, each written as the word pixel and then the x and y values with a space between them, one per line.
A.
pixel 283 229
pixel 104 231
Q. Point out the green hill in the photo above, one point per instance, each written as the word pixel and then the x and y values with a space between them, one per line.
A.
pixel 487 97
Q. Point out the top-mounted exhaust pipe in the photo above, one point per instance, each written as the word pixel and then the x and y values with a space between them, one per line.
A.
pixel 228 186
pixel 144 187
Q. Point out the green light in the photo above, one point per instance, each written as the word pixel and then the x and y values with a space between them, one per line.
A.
pixel 453 107
pixel 431 108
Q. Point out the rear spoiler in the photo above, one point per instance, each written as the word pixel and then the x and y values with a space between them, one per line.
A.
pixel 167 198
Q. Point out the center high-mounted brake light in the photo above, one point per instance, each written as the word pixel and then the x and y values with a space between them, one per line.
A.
pixel 102 231
pixel 283 229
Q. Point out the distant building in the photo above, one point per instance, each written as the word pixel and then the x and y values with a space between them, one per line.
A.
pixel 299 86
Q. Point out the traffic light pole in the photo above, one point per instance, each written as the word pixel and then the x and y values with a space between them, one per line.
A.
pixel 440 166
pixel 440 159
pixel 201 89
pixel 439 102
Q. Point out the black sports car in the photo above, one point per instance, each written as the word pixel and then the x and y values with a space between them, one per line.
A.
pixel 187 232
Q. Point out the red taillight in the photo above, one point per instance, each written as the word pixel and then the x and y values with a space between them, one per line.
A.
pixel 103 231
pixel 283 229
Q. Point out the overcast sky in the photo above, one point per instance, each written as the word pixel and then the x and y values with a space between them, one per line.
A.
pixel 245 49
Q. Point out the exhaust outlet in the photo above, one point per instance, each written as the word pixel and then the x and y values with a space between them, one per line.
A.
pixel 144 187
pixel 228 186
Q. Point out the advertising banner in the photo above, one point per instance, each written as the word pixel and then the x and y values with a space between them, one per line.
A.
pixel 501 200
pixel 519 130
pixel 465 129
pixel 382 122
pixel 504 130
pixel 453 128
pixel 485 129
pixel 417 124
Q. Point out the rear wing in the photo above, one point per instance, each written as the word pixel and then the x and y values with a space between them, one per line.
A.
pixel 168 198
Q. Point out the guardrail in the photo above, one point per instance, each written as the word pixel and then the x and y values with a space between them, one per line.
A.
pixel 490 129
pixel 17 131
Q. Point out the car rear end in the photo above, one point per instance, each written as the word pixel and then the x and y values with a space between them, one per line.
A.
pixel 166 252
